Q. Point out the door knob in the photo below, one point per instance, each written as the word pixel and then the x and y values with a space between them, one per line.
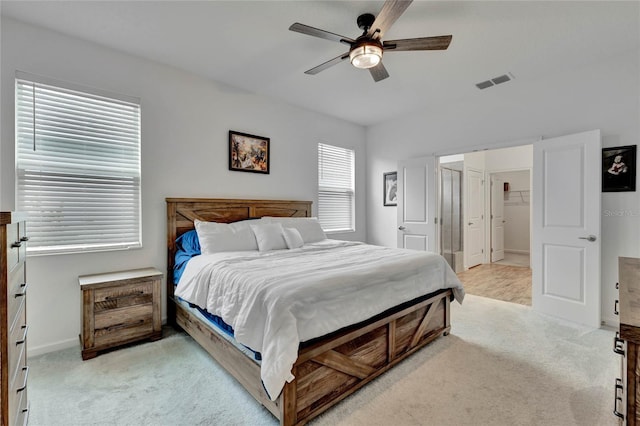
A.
pixel 470 223
pixel 590 238
pixel 402 228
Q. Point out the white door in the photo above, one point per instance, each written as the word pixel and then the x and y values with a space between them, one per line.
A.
pixel 417 204
pixel 497 218
pixel 566 227
pixel 474 218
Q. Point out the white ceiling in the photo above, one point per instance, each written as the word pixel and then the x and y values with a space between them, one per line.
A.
pixel 247 44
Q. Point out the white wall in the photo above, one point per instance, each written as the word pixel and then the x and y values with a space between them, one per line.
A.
pixel 185 124
pixel 598 96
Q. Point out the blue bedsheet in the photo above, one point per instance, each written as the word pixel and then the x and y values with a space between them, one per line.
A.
pixel 187 246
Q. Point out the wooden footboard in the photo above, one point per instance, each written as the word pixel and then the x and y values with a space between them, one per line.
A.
pixel 338 365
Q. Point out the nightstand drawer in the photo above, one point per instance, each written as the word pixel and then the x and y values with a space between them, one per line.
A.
pixel 122 317
pixel 123 332
pixel 123 296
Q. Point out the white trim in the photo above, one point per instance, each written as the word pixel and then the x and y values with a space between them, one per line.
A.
pixel 488 147
pixel 517 251
pixel 53 347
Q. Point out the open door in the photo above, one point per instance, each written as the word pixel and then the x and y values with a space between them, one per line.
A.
pixel 417 204
pixel 497 218
pixel 474 218
pixel 566 227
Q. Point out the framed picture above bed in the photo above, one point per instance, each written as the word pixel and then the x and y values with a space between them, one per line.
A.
pixel 390 187
pixel 248 153
pixel 619 169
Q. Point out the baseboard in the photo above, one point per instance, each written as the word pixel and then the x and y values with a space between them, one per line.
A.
pixel 516 251
pixel 52 347
pixel 58 346
pixel 611 322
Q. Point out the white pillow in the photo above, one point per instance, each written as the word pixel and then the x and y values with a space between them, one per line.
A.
pixel 292 237
pixel 269 236
pixel 309 227
pixel 216 237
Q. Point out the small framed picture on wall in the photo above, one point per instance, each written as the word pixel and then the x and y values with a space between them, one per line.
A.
pixel 248 153
pixel 390 187
pixel 619 169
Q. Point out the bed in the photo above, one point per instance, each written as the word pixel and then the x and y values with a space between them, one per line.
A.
pixel 327 368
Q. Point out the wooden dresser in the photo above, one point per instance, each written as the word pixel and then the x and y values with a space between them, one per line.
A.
pixel 627 342
pixel 119 308
pixel 14 405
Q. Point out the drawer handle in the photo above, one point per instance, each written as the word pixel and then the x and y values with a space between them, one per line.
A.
pixel 16 244
pixel 26 375
pixel 124 296
pixel 617 286
pixel 25 238
pixel 615 308
pixel 23 292
pixel 24 335
pixel 618 398
pixel 618 344
pixel 124 325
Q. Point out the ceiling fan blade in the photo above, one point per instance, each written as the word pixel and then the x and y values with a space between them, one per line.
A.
pixel 422 43
pixel 390 12
pixel 316 32
pixel 379 72
pixel 328 64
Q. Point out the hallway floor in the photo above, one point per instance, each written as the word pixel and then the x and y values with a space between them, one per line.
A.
pixel 501 282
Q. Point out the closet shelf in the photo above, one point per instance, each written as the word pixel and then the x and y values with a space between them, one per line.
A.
pixel 521 197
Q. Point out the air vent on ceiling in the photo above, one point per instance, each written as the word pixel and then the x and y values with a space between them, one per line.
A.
pixel 494 81
pixel 484 84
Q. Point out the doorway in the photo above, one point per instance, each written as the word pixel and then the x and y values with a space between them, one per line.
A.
pixel 565 225
pixel 493 189
pixel 511 217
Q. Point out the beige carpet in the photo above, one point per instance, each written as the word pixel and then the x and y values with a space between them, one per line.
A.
pixel 502 365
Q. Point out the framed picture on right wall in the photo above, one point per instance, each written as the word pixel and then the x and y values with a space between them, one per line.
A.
pixel 619 168
pixel 390 188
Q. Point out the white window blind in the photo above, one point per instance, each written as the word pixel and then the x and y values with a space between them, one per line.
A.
pixel 336 188
pixel 78 168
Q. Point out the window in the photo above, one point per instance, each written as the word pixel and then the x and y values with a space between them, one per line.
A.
pixel 336 193
pixel 77 166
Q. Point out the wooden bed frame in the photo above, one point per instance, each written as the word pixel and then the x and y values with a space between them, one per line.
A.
pixel 328 369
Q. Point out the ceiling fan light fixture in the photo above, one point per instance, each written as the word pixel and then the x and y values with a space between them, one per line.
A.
pixel 366 56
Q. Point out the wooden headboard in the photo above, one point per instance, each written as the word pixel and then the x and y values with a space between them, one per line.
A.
pixel 181 212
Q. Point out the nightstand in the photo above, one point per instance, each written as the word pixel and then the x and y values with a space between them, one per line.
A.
pixel 119 308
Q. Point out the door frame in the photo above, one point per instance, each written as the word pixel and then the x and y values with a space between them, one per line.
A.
pixel 475 148
pixel 532 141
pixel 521 169
pixel 465 216
pixel 490 214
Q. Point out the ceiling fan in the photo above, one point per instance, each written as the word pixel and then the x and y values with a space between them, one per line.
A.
pixel 366 51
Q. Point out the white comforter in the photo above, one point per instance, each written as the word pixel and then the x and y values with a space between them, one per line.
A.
pixel 275 300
